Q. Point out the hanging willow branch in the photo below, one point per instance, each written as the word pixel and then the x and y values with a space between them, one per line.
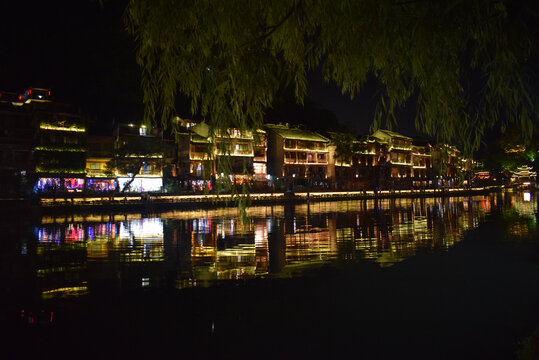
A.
pixel 465 65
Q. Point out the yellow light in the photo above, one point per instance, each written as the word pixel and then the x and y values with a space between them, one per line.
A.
pixel 61 128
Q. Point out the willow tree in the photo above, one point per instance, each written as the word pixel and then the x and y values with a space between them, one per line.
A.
pixel 464 65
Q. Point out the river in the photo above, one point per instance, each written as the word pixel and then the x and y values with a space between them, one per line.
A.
pixel 56 266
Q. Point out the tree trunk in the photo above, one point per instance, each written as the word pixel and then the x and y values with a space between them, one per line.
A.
pixel 128 184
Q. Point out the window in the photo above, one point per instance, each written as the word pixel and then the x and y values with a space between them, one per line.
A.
pixel 289 144
pixel 146 168
pixel 95 166
pixel 259 169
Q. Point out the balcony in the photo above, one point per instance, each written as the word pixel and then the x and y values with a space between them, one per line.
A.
pixel 198 156
pixel 401 163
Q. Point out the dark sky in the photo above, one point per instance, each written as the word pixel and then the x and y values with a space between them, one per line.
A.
pixel 80 50
pixel 76 48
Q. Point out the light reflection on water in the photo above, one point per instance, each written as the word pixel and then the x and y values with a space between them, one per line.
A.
pixel 83 253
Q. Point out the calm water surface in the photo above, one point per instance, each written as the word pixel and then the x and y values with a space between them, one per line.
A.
pixel 76 255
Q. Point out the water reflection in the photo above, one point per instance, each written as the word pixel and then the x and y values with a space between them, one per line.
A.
pixel 79 254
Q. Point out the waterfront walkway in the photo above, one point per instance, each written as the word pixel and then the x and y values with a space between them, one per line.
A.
pixel 166 200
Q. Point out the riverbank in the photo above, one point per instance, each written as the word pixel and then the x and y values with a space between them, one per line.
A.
pixel 159 201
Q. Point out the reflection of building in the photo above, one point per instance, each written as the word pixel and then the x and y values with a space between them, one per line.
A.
pixel 299 156
pixel 219 253
pixel 72 255
pixel 190 248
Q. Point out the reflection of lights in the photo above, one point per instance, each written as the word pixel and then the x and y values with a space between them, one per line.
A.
pixel 260 235
pixel 149 229
pixel 65 291
pixel 527 196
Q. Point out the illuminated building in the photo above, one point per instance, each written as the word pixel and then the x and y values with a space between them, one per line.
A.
pixel 361 170
pixel 366 162
pixel 260 158
pixel 149 148
pixel 398 150
pixel 523 176
pixel 447 165
pixel 99 178
pixel 42 138
pixel 422 171
pixel 200 153
pixel 60 151
pixel 300 157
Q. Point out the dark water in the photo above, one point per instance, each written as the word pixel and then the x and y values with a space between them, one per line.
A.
pixel 76 263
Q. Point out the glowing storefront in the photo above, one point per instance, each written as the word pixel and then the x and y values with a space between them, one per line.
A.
pixel 141 184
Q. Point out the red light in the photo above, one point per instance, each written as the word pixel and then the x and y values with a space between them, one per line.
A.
pixel 29 91
pixel 20 97
pixel 51 317
pixel 49 93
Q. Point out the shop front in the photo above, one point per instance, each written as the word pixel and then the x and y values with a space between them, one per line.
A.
pixel 141 184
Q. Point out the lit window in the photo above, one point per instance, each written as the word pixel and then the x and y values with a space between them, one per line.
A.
pixel 142 130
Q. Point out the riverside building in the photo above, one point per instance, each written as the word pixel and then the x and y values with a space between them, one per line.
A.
pixel 297 156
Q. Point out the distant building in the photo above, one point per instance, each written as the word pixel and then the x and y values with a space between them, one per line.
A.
pixel 260 158
pixel 359 168
pixel 523 176
pixel 368 163
pixel 203 155
pixel 147 150
pixel 398 159
pixel 422 169
pixel 18 133
pixel 99 176
pixel 447 165
pixel 298 156
pixel 60 148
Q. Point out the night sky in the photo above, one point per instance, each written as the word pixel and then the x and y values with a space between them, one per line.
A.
pixel 80 50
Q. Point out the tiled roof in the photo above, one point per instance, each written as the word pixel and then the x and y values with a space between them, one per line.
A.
pixel 393 134
pixel 296 134
pixel 197 139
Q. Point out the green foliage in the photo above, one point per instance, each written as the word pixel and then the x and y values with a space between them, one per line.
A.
pixel 512 150
pixel 465 64
pixel 345 145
